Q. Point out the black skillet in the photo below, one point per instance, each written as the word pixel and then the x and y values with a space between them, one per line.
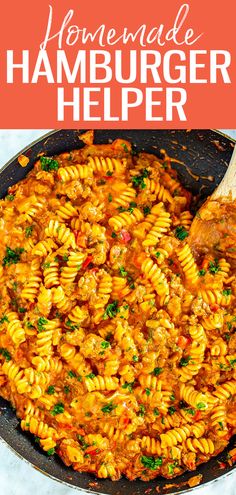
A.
pixel 204 155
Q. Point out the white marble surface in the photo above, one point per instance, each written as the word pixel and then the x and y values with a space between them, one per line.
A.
pixel 16 476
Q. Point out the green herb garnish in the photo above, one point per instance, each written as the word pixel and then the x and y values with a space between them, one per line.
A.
pixel 184 361
pixel 28 231
pixel 125 147
pixel 123 272
pixel 138 181
pixel 129 386
pixel 181 233
pixel 48 164
pixel 51 451
pixel 12 256
pixel 4 318
pixel 108 408
pixel 5 353
pixel 202 272
pixel 157 371
pixel 151 462
pixel 50 390
pixel 200 406
pixel 111 310
pixel 227 292
pixel 214 266
pixel 41 322
pixel 58 409
pixel 142 410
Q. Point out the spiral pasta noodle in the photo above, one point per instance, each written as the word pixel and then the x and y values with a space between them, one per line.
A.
pixel 117 339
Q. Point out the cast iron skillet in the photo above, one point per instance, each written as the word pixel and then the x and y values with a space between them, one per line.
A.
pixel 205 154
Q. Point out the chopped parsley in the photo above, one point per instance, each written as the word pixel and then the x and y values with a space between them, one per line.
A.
pixel 156 412
pixel 190 411
pixel 105 344
pixel 181 233
pixel 10 197
pixel 71 325
pixel 142 410
pixel 138 181
pixel 135 359
pixel 22 310
pixel 232 362
pixel 124 145
pixel 12 256
pixel 111 310
pixel 151 462
pixel 123 272
pixel 184 361
pixel 227 292
pixel 108 408
pixel 81 439
pixel 129 386
pixel 29 231
pixel 202 272
pixel 5 353
pixel 132 205
pixel 214 266
pixel 109 197
pixel 91 375
pixel 157 371
pixel 4 318
pixel 171 410
pixel 41 322
pixel 51 451
pixel 201 405
pixel 66 389
pixel 146 210
pixel 157 254
pixel 148 391
pixel 58 409
pixel 48 164
pixel 221 425
pixel 65 257
pixel 113 235
pixel 121 209
pixel 50 390
pixel 171 467
pixel 109 173
pixel 71 374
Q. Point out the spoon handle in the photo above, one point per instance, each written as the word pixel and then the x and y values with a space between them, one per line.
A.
pixel 227 187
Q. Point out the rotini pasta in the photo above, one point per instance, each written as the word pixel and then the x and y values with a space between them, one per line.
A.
pixel 117 339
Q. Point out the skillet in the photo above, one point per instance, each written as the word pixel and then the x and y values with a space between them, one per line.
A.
pixel 203 156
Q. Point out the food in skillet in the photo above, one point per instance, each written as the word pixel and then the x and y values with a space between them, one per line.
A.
pixel 117 347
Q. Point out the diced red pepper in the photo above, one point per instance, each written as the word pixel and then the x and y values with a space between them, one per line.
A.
pixel 81 432
pixel 125 236
pixel 183 341
pixel 214 307
pixel 222 465
pixel 88 260
pixel 197 416
pixel 92 451
pixel 126 421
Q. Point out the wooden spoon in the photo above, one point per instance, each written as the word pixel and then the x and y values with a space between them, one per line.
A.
pixel 214 226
